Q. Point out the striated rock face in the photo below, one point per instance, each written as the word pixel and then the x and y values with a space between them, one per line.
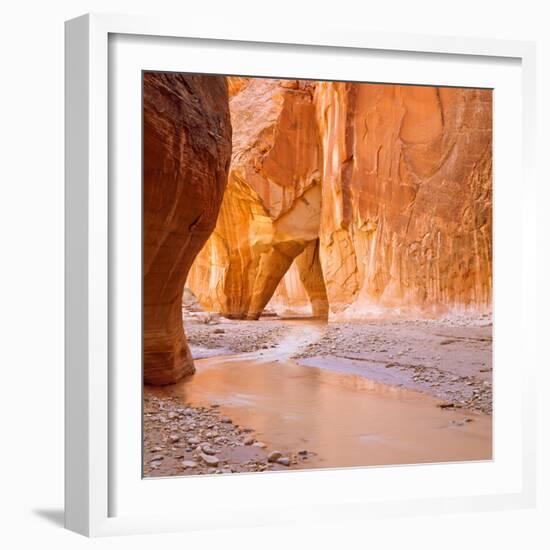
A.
pixel 352 198
pixel 407 196
pixel 187 148
pixel 235 84
pixel 272 205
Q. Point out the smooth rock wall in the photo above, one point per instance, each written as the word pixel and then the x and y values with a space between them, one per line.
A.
pixel 187 148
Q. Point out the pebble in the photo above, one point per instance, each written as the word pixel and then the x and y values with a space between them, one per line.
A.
pixel 284 460
pixel 259 444
pixel 207 449
pixel 249 441
pixel 211 460
pixel 274 456
pixel 189 464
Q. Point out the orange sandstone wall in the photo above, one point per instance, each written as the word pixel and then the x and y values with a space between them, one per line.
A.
pixel 272 206
pixel 378 196
pixel 235 84
pixel 187 148
pixel 407 197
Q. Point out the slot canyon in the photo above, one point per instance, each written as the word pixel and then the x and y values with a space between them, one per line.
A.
pixel 327 247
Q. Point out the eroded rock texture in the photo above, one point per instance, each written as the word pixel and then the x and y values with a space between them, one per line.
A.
pixel 235 84
pixel 272 205
pixel 378 196
pixel 187 148
pixel 407 196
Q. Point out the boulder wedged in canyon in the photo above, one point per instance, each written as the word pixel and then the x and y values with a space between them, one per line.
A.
pixel 187 149
pixel 271 208
pixel 407 197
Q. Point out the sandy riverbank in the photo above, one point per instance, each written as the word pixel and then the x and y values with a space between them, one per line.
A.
pixel 450 359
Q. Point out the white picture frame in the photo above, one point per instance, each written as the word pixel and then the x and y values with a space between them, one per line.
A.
pixel 95 463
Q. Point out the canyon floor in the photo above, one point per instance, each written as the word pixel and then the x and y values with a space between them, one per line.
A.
pixel 295 393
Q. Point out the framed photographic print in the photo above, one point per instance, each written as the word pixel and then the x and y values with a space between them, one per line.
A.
pixel 296 276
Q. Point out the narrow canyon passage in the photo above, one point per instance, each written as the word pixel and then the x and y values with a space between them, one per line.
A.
pixel 333 245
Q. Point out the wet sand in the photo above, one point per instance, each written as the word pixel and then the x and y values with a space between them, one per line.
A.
pixel 301 397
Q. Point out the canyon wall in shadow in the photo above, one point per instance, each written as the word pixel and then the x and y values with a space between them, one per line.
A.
pixel 186 148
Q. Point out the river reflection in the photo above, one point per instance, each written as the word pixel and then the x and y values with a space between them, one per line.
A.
pixel 346 419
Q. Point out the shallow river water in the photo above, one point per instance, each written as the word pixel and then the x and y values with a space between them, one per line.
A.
pixel 345 419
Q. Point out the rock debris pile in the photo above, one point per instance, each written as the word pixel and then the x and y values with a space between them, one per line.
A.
pixel 180 439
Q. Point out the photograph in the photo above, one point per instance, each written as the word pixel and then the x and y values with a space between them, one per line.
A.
pixel 317 274
pixel 277 276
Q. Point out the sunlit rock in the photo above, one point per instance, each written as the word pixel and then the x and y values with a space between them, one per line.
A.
pixel 407 197
pixel 272 205
pixel 395 182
